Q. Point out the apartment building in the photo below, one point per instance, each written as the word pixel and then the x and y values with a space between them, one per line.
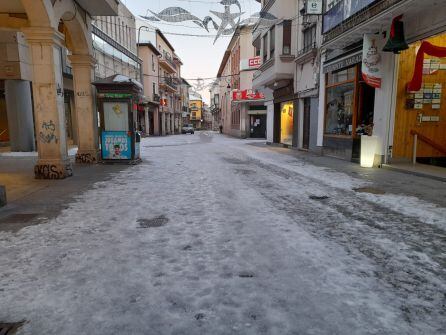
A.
pixel 184 99
pixel 214 94
pixel 277 47
pixel 149 116
pixel 196 111
pixel 244 113
pixel 169 80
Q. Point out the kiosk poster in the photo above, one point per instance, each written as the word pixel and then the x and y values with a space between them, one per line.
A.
pixel 116 145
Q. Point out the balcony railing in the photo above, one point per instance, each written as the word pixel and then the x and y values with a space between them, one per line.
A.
pixel 168 58
pixel 306 49
pixel 170 82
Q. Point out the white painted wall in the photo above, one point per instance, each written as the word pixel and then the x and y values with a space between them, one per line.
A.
pixel 321 112
pixel 269 121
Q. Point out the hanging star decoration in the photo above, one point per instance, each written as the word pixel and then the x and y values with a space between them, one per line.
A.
pixel 229 20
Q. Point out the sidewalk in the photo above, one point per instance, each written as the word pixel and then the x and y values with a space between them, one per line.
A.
pixel 384 180
pixel 30 198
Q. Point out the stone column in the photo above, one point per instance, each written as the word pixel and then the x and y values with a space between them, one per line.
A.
pixel 167 123
pixel 147 120
pixel 84 104
pixel 156 123
pixel 49 114
pixel 163 123
pixel 19 107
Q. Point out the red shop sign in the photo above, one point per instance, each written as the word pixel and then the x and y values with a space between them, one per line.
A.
pixel 238 95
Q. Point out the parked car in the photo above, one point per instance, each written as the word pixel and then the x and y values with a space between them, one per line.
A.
pixel 188 129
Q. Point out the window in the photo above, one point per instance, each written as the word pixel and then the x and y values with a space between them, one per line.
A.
pixel 309 38
pixel 265 48
pixel 340 102
pixel 153 63
pixel 257 52
pixel 154 88
pixel 272 41
pixel 286 49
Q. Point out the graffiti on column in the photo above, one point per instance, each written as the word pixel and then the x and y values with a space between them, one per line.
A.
pixel 50 171
pixel 86 159
pixel 48 132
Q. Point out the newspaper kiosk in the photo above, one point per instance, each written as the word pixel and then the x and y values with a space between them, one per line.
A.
pixel 118 98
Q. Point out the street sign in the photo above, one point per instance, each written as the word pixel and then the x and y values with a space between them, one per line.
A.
pixel 314 7
pixel 250 64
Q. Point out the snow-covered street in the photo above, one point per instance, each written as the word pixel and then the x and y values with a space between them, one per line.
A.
pixel 214 235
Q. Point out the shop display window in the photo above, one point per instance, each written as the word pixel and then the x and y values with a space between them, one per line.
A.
pixel 340 102
pixel 286 123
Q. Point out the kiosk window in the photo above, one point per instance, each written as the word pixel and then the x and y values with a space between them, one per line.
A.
pixel 116 116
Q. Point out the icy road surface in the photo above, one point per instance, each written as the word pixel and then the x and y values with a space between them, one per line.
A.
pixel 248 243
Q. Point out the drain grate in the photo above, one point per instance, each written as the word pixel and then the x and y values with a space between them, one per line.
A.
pixel 371 190
pixel 318 197
pixel 10 328
pixel 156 222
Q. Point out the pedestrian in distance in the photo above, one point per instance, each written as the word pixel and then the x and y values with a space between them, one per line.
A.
pixel 221 129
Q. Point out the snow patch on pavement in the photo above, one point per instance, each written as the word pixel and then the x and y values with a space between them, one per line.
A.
pixel 423 211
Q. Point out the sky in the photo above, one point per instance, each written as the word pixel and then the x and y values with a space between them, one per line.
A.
pixel 200 56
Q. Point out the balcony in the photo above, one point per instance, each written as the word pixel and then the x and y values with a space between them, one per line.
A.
pixel 168 85
pixel 307 53
pixel 167 63
pixel 278 64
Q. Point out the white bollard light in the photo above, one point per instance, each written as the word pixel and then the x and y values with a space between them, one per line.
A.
pixel 369 144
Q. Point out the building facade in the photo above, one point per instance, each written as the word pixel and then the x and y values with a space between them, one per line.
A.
pixel 400 104
pixel 185 111
pixel 276 45
pixel 169 82
pixel 196 111
pixel 243 114
pixel 115 45
pixel 32 78
pixel 214 95
pixel 306 78
pixel 150 117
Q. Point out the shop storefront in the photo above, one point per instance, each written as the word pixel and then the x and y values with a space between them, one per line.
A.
pixel 420 112
pixel 285 116
pixel 248 114
pixel 257 121
pixel 349 107
pixel 287 123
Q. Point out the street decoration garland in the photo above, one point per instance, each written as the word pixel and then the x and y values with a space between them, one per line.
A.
pixel 229 21
pixel 426 48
